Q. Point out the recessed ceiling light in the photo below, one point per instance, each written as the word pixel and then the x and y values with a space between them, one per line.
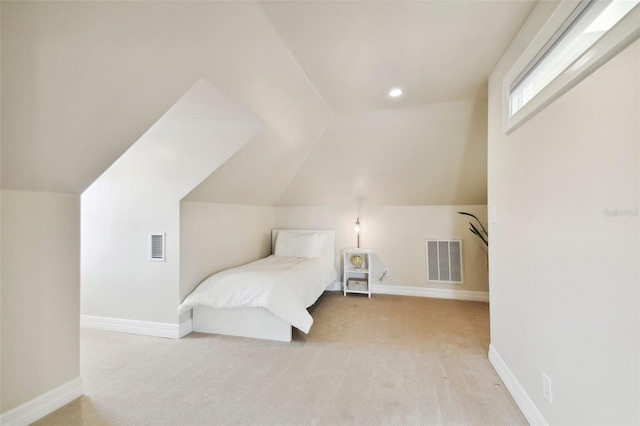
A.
pixel 394 93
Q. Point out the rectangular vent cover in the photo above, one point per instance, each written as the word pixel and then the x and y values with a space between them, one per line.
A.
pixel 157 247
pixel 444 261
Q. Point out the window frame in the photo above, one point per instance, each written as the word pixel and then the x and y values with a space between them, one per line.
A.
pixel 620 36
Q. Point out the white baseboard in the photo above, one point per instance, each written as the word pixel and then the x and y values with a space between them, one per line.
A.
pixel 520 396
pixel 47 403
pixel 146 328
pixel 438 293
pixel 335 286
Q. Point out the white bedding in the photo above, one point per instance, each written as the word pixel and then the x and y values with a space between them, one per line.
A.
pixel 285 286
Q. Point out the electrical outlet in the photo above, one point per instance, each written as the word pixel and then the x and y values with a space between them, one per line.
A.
pixel 546 388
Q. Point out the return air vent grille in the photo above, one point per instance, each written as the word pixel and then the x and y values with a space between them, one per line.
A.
pixel 444 261
pixel 157 247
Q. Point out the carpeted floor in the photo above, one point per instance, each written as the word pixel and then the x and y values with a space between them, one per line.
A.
pixel 388 360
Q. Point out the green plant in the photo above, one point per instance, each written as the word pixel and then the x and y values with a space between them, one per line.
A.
pixel 484 235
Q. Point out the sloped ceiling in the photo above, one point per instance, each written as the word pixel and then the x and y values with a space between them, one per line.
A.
pixel 429 155
pixel 82 81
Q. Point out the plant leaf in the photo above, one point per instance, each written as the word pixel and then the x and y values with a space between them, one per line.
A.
pixel 475 231
pixel 478 220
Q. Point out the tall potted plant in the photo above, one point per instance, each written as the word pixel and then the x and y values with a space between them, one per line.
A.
pixel 481 233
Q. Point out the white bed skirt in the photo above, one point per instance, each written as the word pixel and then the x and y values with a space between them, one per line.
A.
pixel 257 323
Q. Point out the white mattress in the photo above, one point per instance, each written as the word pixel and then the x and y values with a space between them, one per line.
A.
pixel 285 286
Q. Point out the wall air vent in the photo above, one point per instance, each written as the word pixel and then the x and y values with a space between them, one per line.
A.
pixel 157 247
pixel 444 261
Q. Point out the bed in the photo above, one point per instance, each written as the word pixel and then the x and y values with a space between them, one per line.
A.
pixel 266 298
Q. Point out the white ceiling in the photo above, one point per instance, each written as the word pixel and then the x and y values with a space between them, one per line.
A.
pixel 427 155
pixel 353 51
pixel 82 81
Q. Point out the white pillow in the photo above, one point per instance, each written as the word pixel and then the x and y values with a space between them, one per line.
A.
pixel 293 244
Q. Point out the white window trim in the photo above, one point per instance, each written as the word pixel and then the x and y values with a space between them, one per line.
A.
pixel 610 44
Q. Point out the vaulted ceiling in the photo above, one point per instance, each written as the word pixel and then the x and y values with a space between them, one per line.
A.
pixel 82 81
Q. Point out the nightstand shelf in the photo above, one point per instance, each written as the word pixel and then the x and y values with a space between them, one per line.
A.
pixel 357 271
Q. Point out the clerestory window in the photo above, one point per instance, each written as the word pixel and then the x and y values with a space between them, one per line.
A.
pixel 576 40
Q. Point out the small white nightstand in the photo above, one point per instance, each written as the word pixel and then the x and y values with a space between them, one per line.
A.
pixel 356 277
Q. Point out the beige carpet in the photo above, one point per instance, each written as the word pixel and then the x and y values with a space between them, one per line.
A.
pixel 388 360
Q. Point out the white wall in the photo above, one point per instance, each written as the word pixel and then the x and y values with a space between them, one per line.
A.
pixel 564 273
pixel 140 194
pixel 40 293
pixel 219 236
pixel 214 237
pixel 397 236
